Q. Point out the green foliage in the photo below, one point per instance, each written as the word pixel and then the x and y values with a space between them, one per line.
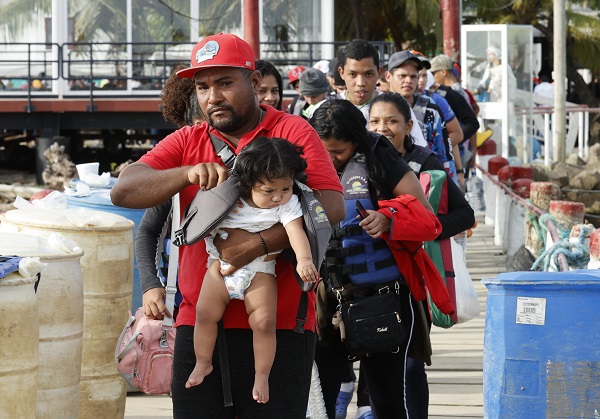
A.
pixel 218 16
pixel 583 41
pixel 105 20
pixel 19 14
pixel 411 24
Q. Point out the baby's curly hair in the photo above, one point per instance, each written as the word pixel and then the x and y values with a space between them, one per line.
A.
pixel 269 158
pixel 179 102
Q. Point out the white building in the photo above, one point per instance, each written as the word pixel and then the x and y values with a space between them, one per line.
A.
pixel 133 45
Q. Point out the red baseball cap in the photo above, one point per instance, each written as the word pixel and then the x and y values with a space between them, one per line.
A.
pixel 295 73
pixel 221 50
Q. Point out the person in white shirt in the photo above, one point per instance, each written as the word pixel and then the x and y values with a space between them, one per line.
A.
pixel 360 70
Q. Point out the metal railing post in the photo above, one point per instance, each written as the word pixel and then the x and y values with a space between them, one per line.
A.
pixel 580 134
pixel 586 134
pixel 91 107
pixel 547 140
pixel 525 142
pixel 29 107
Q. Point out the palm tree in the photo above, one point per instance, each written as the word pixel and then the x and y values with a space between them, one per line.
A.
pixel 157 20
pixel 17 15
pixel 408 23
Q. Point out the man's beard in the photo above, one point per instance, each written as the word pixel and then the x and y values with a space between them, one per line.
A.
pixel 231 124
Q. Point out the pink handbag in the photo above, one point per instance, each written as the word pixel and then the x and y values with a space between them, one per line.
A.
pixel 144 354
pixel 144 351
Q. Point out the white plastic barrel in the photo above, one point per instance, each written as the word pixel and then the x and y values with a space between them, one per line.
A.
pixel 107 271
pixel 60 304
pixel 19 346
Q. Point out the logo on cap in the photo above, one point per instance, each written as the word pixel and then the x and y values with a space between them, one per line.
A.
pixel 207 52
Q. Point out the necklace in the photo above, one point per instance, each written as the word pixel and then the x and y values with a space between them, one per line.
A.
pixel 367 102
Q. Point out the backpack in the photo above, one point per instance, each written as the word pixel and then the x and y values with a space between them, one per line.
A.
pixel 207 210
pixel 434 183
pixel 217 204
pixel 209 207
pixel 144 354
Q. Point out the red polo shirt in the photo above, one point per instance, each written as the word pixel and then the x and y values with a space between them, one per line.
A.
pixel 190 146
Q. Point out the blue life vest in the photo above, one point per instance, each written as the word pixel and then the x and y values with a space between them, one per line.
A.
pixel 353 254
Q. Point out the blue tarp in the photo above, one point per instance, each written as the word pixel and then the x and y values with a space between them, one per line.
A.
pixel 9 264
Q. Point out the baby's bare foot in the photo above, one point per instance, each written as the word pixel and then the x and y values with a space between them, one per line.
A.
pixel 201 370
pixel 260 392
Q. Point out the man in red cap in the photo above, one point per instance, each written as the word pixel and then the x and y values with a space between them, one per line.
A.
pixel 294 77
pixel 226 84
pixel 294 81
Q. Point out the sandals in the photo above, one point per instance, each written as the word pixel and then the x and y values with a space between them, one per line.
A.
pixel 341 404
pixel 366 415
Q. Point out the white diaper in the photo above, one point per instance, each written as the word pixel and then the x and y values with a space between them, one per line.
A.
pixel 240 280
pixel 238 283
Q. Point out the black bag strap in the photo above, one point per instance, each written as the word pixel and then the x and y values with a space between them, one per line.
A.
pixel 228 157
pixel 223 150
pixel 301 314
pixel 224 364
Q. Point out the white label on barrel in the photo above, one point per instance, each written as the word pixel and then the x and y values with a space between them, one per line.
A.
pixel 531 310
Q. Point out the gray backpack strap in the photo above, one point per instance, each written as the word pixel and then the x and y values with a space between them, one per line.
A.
pixel 171 287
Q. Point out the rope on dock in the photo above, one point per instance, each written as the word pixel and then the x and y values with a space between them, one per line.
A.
pixel 576 251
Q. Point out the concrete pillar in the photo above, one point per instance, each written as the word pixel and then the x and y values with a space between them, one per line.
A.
pixel 520 172
pixel 508 174
pixel 504 175
pixel 502 218
pixel 514 231
pixel 59 36
pixel 328 29
pixel 496 163
pixel 522 187
pixel 559 119
pixel 510 217
pixel 567 214
pixel 489 189
pixel 541 193
pixel 484 154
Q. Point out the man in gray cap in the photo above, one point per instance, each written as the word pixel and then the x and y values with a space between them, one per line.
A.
pixel 314 88
pixel 442 68
pixel 403 76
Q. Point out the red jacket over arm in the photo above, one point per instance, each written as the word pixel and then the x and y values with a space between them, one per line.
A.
pixel 412 224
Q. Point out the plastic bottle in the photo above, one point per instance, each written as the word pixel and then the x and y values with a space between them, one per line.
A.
pixel 475 192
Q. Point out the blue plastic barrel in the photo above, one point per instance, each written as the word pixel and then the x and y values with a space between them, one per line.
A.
pixel 541 356
pixel 99 200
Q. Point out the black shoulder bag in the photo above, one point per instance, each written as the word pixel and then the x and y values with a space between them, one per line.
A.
pixel 370 320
